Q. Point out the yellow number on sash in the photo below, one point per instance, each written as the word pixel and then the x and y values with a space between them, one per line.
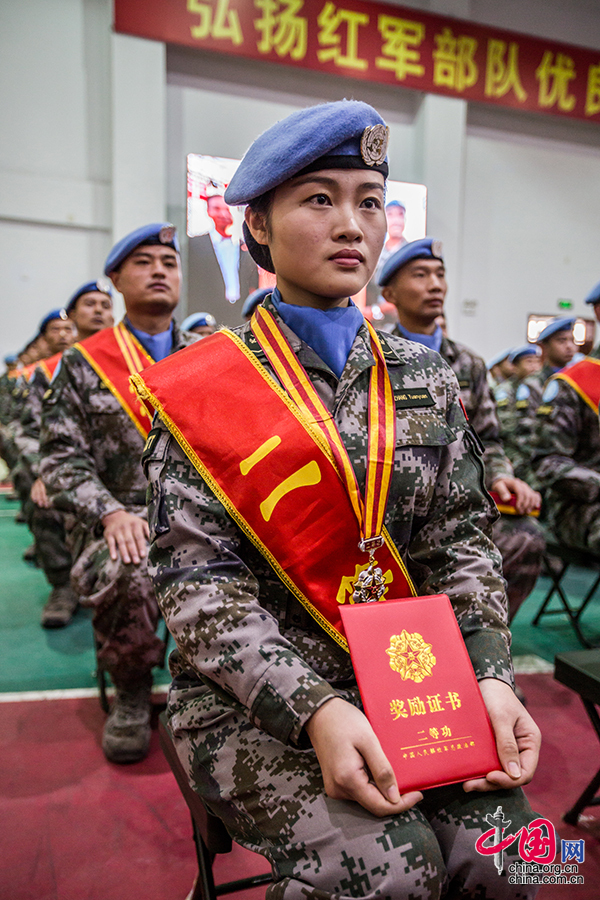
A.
pixel 308 475
pixel 263 450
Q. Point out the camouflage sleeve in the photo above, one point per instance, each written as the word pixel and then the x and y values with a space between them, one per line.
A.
pixel 565 439
pixel 28 438
pixel 211 600
pixel 454 552
pixel 67 464
pixel 484 419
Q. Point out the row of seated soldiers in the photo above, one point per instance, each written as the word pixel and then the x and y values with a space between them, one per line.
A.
pixel 73 435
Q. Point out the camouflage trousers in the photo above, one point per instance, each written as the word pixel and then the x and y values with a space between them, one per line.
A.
pixel 520 540
pixel 49 532
pixel 270 797
pixel 125 612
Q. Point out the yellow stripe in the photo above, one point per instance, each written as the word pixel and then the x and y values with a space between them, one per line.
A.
pixel 104 377
pixel 326 420
pixel 223 498
pixel 126 335
pixel 579 390
pixel 124 350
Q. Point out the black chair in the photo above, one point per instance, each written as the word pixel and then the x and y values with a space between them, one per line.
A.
pixel 210 835
pixel 567 556
pixel 580 671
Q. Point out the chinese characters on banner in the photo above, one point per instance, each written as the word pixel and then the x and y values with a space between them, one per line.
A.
pixel 382 43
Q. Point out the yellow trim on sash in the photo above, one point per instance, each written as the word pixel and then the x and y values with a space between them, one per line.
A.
pixel 126 350
pixel 587 399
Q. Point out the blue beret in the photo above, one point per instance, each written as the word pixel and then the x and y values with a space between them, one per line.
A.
pixel 196 320
pixel 397 203
pixel 346 128
pixel 156 233
pixel 253 300
pixel 564 323
pixel 101 285
pixel 594 295
pixel 54 314
pixel 499 357
pixel 424 248
pixel 526 350
pixel 11 360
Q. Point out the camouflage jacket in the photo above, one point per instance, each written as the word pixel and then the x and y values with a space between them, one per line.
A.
pixel 476 395
pixel 566 452
pixel 238 628
pixel 28 436
pixel 90 449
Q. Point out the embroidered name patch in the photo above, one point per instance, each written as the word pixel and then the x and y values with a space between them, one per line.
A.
pixel 411 397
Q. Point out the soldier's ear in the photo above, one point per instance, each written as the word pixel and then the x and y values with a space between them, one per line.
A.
pixel 257 225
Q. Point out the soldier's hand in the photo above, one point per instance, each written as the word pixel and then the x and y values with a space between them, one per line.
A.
pixel 526 499
pixel 517 738
pixel 39 495
pixel 126 535
pixel 353 764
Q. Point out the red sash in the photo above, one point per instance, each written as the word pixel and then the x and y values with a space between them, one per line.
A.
pixel 584 377
pixel 48 366
pixel 115 354
pixel 234 421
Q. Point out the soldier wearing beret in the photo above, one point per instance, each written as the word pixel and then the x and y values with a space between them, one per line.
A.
pixel 264 706
pixel 200 323
pixel 89 310
pixel 566 453
pixel 93 433
pixel 414 280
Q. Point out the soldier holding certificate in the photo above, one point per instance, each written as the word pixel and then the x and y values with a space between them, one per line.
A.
pixel 325 455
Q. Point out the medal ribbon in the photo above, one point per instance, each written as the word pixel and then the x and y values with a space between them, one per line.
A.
pixel 369 511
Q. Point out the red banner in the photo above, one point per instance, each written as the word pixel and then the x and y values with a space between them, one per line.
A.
pixel 382 43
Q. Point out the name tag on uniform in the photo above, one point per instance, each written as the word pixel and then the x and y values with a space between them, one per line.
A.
pixel 412 397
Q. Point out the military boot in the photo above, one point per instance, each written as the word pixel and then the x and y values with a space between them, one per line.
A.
pixel 126 737
pixel 61 606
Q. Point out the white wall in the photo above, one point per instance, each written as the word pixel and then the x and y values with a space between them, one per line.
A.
pixel 94 138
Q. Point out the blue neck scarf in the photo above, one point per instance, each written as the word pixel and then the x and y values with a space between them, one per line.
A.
pixel 433 341
pixel 330 332
pixel 157 345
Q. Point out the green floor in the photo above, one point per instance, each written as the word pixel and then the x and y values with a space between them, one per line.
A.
pixel 35 659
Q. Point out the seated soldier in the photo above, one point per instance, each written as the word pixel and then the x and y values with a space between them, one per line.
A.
pixel 93 433
pixel 566 451
pixel 526 363
pixel 414 280
pixel 46 525
pixel 264 708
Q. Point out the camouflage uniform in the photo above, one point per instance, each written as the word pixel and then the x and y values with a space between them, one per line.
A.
pixel 566 460
pixel 47 526
pixel 90 462
pixel 252 666
pixel 519 538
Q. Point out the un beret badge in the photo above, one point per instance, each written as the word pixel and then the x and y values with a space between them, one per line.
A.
pixel 167 234
pixel 374 144
pixel 436 249
pixel 103 285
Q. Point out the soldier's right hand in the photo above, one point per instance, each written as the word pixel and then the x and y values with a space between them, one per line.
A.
pixel 126 536
pixel 353 764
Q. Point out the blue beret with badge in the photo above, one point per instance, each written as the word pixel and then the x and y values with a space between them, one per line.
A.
pixel 197 320
pixel 564 323
pixel 499 357
pixel 102 286
pixel 526 350
pixel 253 300
pixel 424 248
pixel 594 295
pixel 52 315
pixel 345 134
pixel 157 233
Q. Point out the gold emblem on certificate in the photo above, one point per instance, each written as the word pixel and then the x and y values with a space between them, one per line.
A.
pixel 410 656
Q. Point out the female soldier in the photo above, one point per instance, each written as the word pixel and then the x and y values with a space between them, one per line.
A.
pixel 247 528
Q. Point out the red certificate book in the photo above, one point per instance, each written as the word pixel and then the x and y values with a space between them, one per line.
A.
pixel 419 691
